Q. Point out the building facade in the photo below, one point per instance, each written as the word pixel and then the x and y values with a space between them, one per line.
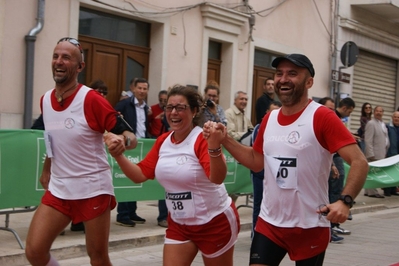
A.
pixel 190 42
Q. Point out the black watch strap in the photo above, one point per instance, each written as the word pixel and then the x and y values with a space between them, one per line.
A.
pixel 347 199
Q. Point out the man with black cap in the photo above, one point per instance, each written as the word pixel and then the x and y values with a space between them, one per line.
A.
pixel 295 145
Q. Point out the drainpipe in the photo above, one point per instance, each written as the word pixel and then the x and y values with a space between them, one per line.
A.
pixel 29 63
pixel 334 93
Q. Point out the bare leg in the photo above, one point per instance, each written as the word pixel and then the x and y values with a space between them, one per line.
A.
pixel 179 254
pixel 226 259
pixel 47 223
pixel 97 236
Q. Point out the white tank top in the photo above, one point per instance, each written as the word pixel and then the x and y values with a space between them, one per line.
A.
pixel 297 168
pixel 79 166
pixel 192 199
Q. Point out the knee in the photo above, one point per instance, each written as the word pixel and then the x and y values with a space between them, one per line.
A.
pixel 35 257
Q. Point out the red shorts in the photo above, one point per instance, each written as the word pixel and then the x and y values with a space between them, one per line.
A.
pixel 213 238
pixel 80 210
pixel 300 243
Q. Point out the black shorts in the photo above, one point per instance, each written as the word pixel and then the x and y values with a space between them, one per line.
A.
pixel 266 252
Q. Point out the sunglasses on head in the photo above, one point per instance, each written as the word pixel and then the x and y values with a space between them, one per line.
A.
pixel 74 42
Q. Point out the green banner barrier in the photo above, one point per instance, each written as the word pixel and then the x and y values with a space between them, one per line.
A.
pixel 22 154
pixel 382 173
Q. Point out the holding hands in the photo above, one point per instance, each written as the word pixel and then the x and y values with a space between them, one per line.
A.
pixel 115 144
pixel 214 132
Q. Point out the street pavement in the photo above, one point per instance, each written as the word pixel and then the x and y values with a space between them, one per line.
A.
pixel 374 240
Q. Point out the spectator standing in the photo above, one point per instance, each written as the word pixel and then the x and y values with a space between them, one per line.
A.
pixel 336 185
pixel 237 123
pixel 336 178
pixel 135 111
pixel 76 175
pixel 376 143
pixel 158 126
pixel 212 110
pixel 294 146
pixel 263 102
pixel 366 113
pixel 192 170
pixel 258 177
pixel 99 86
pixel 393 133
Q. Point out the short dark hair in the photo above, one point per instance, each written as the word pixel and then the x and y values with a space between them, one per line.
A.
pixel 134 81
pixel 162 92
pixel 211 87
pixel 348 102
pixel 264 82
pixel 99 86
pixel 323 101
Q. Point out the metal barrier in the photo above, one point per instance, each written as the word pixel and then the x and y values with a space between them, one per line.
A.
pixel 247 196
pixel 7 221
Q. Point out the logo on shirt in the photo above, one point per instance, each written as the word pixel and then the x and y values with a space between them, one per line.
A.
pixel 69 123
pixel 181 160
pixel 293 137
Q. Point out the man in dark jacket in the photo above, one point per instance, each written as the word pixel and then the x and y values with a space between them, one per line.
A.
pixel 135 111
pixel 393 134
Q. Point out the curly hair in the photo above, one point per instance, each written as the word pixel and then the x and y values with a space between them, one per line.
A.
pixel 194 99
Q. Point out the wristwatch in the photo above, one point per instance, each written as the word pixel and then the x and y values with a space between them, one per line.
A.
pixel 347 199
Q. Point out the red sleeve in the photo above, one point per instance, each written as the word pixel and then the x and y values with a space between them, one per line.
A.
pixel 330 131
pixel 99 113
pixel 201 150
pixel 148 164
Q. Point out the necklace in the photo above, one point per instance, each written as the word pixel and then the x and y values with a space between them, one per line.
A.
pixel 174 141
pixel 60 97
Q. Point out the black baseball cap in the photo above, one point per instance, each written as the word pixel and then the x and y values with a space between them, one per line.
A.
pixel 297 59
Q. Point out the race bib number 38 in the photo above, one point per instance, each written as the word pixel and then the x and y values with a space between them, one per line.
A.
pixel 180 205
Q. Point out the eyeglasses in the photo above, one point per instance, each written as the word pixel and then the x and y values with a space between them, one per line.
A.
pixel 74 42
pixel 179 108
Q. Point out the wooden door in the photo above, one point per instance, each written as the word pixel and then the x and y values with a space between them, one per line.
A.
pixel 214 70
pixel 108 61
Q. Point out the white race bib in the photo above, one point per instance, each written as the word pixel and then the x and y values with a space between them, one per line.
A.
pixel 180 205
pixel 284 170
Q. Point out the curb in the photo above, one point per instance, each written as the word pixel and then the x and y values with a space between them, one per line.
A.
pixel 77 251
pixel 372 208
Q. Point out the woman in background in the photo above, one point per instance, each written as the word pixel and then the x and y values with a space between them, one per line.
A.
pixel 365 117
